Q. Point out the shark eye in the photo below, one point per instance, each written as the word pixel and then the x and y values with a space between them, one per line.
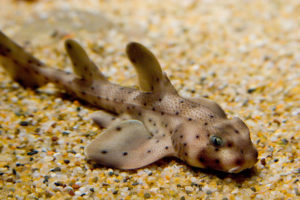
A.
pixel 216 141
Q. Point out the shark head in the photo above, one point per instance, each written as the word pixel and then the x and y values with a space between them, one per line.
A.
pixel 224 146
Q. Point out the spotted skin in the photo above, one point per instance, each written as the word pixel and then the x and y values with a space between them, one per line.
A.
pixel 142 125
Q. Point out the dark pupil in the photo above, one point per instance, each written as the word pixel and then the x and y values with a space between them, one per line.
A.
pixel 216 141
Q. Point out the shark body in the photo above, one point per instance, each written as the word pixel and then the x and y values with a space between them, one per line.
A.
pixel 143 125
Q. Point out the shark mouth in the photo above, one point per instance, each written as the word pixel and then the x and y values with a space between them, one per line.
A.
pixel 234 169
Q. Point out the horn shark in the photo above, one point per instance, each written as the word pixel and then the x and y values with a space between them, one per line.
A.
pixel 142 125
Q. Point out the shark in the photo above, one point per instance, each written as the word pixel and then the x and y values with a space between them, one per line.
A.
pixel 141 125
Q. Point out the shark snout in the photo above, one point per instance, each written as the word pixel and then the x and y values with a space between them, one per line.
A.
pixel 247 162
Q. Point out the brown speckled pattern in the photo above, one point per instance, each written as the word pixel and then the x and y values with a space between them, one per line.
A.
pixel 243 55
pixel 158 113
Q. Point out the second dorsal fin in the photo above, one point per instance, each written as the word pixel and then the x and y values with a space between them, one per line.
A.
pixel 82 64
pixel 151 77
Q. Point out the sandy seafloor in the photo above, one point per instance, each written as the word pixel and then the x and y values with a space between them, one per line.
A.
pixel 243 54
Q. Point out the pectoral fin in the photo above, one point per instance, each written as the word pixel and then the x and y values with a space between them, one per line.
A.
pixel 82 65
pixel 151 77
pixel 127 145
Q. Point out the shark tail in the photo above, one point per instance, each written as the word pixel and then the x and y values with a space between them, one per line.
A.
pixel 20 65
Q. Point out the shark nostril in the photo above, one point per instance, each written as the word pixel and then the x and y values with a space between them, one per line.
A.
pixel 202 160
pixel 255 155
pixel 239 161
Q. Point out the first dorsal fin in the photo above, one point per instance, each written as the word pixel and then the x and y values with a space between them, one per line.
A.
pixel 151 77
pixel 82 65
